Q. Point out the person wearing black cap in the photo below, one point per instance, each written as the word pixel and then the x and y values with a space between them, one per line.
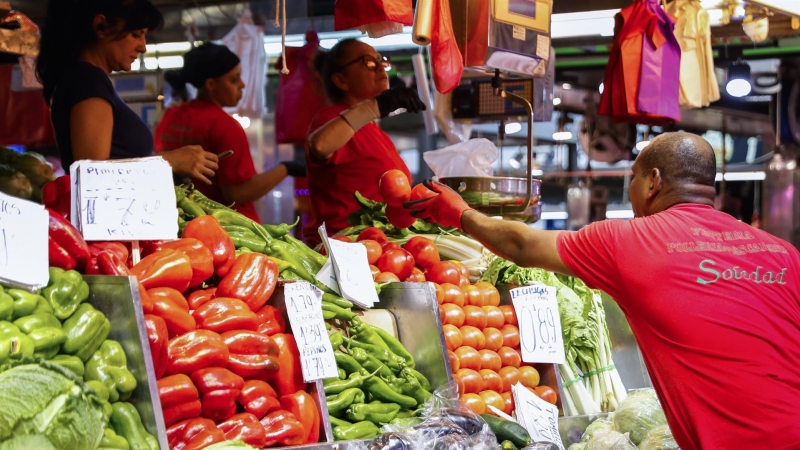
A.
pixel 216 73
pixel 81 44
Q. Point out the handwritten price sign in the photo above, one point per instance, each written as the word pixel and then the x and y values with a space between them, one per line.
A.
pixel 304 307
pixel 537 416
pixel 539 324
pixel 23 243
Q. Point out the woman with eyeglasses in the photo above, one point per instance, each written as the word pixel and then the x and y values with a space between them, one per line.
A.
pixel 347 151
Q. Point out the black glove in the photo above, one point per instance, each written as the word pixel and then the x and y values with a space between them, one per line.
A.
pixel 295 168
pixel 400 97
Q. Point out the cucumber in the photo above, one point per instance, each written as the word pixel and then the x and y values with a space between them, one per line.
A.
pixel 505 430
pixel 508 445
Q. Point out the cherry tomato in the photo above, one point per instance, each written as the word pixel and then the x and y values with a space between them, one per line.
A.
pixel 475 316
pixel 439 293
pixel 386 246
pixel 510 376
pixel 453 314
pixel 468 358
pixel 443 272
pixel 473 383
pixel 494 339
pixel 472 337
pixel 509 401
pixel 491 296
pixel 493 398
pixel 416 276
pixel 509 314
pixel 394 187
pixel 546 393
pixel 510 335
pixel 386 276
pixel 374 250
pixel 452 336
pixel 474 402
pixel 375 271
pixel 461 268
pixel 455 364
pixel 528 376
pixel 452 294
pixel 399 216
pixel 420 191
pixel 490 360
pixel 509 357
pixel 423 250
pixel 458 382
pixel 472 295
pixel 399 262
pixel 374 234
pixel 494 317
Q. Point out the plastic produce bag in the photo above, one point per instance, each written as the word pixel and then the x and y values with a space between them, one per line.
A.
pixel 455 130
pixel 639 413
pixel 378 18
pixel 473 158
pixel 610 440
pixel 659 438
pixel 595 427
pixel 445 56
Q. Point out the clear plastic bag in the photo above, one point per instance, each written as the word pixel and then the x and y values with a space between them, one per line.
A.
pixel 595 427
pixel 659 438
pixel 610 440
pixel 473 158
pixel 639 413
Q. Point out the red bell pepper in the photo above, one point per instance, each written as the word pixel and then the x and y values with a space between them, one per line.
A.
pixel 219 389
pixel 200 297
pixel 117 248
pixel 305 409
pixel 244 427
pixel 194 434
pixel 251 354
pixel 169 294
pixel 225 314
pixel 114 260
pixel 199 254
pixel 178 320
pixel 179 398
pixel 56 195
pixel 290 377
pixel 66 247
pixel 270 321
pixel 157 334
pixel 196 350
pixel 207 230
pixel 283 428
pixel 147 302
pixel 109 263
pixel 149 247
pixel 164 268
pixel 258 398
pixel 252 279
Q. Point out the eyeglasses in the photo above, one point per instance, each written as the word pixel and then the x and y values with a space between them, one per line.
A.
pixel 371 62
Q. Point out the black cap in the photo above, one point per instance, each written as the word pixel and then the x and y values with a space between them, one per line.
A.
pixel 204 62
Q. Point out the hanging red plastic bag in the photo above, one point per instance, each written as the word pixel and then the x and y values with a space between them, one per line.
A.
pixel 376 17
pixel 446 58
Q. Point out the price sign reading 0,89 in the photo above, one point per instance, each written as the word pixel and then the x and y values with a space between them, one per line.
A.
pixel 539 324
pixel 304 308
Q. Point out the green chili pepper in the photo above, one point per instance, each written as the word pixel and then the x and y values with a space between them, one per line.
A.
pixel 343 400
pixel 377 413
pixel 254 243
pixel 206 203
pixel 300 257
pixel 6 305
pixel 180 193
pixel 360 430
pixel 279 249
pixel 412 388
pixel 72 363
pixel 86 330
pixel 336 300
pixel 241 250
pixel 318 258
pixel 328 315
pixel 385 356
pixel 404 414
pixel 422 380
pixel 290 275
pixel 347 362
pixel 355 380
pixel 109 366
pixel 239 229
pixel 395 346
pixel 342 374
pixel 191 208
pixel 328 326
pixel 24 302
pixel 230 217
pixel 370 363
pixel 382 391
pixel 362 332
pixel 339 313
pixel 279 231
pixel 336 422
pixel 65 292
pixel 127 423
pixel 111 441
pixel 336 339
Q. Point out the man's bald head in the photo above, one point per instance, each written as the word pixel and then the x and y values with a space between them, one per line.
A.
pixel 684 159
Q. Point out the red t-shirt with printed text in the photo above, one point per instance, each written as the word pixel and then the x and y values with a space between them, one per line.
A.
pixel 201 123
pixel 357 166
pixel 715 307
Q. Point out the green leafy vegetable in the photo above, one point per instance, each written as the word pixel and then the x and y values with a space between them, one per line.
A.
pixel 659 438
pixel 639 414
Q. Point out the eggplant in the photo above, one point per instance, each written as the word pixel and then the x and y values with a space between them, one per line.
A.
pixel 440 428
pixel 392 441
pixel 469 422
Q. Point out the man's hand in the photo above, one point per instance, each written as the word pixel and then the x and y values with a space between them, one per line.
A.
pixel 445 208
pixel 193 161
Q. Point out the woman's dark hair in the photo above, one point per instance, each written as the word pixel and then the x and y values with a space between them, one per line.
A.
pixel 68 30
pixel 177 83
pixel 328 63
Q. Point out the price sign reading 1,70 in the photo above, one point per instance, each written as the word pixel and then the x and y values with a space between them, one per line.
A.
pixel 304 308
pixel 539 324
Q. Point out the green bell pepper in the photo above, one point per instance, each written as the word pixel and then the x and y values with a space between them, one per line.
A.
pixel 377 413
pixel 360 430
pixel 35 321
pixel 127 423
pixel 342 401
pixel 102 393
pixel 45 332
pixel 111 441
pixel 72 363
pixel 86 329
pixel 13 341
pixel 24 302
pixel 109 366
pixel 42 306
pixel 6 305
pixel 65 292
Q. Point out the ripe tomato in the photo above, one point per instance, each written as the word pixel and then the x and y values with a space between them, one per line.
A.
pixel 474 316
pixel 375 271
pixel 509 314
pixel 443 272
pixel 493 398
pixel 494 317
pixel 509 357
pixel 528 376
pixel 472 295
pixel 546 393
pixel 468 358
pixel 399 216
pixel 510 376
pixel 423 250
pixel 491 296
pixel 494 339
pixel 416 276
pixel 452 294
pixel 509 400
pixel 386 246
pixel 490 360
pixel 420 191
pixel 461 268
pixel 474 402
pixel 510 335
pixel 386 276
pixel 459 384
pixel 399 262
pixel 453 314
pixel 374 234
pixel 455 364
pixel 394 187
pixel 473 383
pixel 472 337
pixel 463 282
pixel 439 293
pixel 374 250
pixel 452 336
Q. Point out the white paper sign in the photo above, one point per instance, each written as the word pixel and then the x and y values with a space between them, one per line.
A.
pixel 304 308
pixel 539 324
pixel 327 277
pixel 536 415
pixel 125 200
pixel 351 266
pixel 23 243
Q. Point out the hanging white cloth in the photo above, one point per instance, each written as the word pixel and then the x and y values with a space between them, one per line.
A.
pixel 246 40
pixel 693 30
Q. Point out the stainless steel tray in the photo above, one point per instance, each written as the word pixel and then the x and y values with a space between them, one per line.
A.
pixel 499 196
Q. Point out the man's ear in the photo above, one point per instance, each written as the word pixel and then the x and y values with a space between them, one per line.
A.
pixel 338 81
pixel 656 183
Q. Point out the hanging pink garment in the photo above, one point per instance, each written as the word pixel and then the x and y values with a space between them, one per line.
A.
pixel 661 65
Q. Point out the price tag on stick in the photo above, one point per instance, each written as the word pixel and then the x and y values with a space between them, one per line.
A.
pixel 351 266
pixel 539 324
pixel 536 415
pixel 23 243
pixel 304 307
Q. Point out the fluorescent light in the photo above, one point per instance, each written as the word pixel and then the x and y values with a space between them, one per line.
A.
pixel 589 23
pixel 758 175
pixel 169 47
pixel 328 43
pixel 243 120
pixel 641 145
pixel 555 215
pixel 562 136
pixel 537 173
pixel 556 101
pixel 170 62
pixel 620 214
pixel 513 127
pixel 151 63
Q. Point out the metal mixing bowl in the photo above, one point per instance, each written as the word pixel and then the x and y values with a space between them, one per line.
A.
pixel 499 196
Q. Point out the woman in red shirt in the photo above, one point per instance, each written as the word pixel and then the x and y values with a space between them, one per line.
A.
pixel 216 72
pixel 347 151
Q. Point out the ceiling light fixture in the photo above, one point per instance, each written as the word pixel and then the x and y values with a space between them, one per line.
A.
pixel 738 79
